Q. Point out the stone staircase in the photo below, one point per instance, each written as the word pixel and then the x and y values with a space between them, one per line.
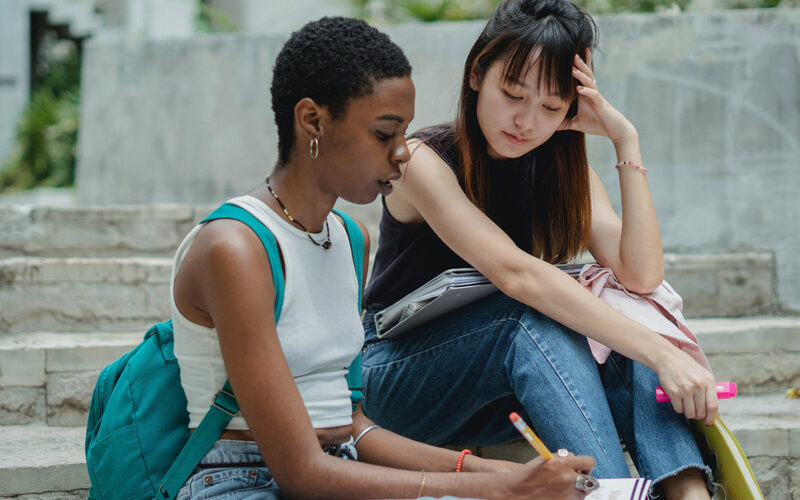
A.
pixel 80 285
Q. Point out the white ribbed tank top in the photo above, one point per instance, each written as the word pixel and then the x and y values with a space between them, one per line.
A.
pixel 319 329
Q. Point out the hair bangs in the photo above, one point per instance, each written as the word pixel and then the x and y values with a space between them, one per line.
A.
pixel 546 49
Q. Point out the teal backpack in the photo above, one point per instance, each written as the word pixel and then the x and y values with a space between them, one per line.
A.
pixel 138 444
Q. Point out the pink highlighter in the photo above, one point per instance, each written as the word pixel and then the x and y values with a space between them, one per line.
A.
pixel 725 390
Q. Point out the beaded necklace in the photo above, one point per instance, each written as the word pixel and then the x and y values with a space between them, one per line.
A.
pixel 325 244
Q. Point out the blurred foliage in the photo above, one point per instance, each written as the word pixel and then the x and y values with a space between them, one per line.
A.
pixel 453 10
pixel 435 10
pixel 47 132
pixel 209 19
pixel 360 7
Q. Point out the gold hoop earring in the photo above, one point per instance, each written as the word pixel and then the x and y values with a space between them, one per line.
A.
pixel 313 148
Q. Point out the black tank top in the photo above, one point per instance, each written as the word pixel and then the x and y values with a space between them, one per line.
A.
pixel 411 254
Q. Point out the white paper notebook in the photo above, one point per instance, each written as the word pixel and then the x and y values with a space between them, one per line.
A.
pixel 620 489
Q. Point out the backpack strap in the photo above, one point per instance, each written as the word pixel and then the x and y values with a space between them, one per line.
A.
pixel 357 247
pixel 224 406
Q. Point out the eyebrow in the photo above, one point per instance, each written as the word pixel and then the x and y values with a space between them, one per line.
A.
pixel 395 118
pixel 523 85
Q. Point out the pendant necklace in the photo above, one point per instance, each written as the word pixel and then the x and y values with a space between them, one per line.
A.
pixel 325 244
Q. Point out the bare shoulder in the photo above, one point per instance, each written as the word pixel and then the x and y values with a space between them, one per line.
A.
pixel 423 157
pixel 425 172
pixel 228 246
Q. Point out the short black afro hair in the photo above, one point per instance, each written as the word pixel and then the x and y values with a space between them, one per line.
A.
pixel 331 60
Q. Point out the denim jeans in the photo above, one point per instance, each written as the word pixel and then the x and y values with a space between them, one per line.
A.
pixel 235 470
pixel 242 475
pixel 455 380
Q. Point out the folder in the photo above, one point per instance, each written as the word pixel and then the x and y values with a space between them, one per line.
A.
pixel 450 290
pixel 733 471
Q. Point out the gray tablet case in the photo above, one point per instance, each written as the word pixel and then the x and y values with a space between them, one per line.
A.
pixel 451 290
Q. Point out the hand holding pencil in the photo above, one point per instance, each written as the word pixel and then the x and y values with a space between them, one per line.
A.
pixel 584 483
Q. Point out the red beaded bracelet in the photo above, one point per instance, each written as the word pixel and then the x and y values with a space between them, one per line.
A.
pixel 461 456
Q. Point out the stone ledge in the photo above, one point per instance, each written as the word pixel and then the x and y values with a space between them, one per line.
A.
pixel 40 459
pixel 37 458
pixel 96 230
pixel 63 366
pixel 82 293
pixel 65 377
pixel 747 335
pixel 69 351
pixel 51 270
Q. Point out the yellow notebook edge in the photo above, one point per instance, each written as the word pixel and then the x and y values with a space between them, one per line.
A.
pixel 740 458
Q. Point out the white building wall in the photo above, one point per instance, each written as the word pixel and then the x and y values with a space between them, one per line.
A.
pixel 14 71
pixel 160 19
pixel 262 16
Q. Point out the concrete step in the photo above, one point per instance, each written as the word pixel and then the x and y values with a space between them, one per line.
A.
pixel 42 462
pixel 39 229
pixel 87 231
pixel 724 285
pixel 95 293
pixel 49 377
pixel 83 294
pixel 761 354
pixel 768 429
pixel 36 459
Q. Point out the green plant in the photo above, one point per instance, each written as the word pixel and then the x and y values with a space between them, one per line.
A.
pixel 426 10
pixel 449 10
pixel 210 19
pixel 44 153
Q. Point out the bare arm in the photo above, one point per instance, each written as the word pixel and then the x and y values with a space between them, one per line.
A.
pixel 381 446
pixel 430 187
pixel 631 247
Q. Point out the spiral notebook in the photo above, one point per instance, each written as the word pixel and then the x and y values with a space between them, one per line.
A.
pixel 620 489
pixel 450 290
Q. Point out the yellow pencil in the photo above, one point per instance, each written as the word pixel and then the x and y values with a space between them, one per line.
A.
pixel 531 436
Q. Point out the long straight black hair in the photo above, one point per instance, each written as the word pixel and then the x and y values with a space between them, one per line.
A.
pixel 544 35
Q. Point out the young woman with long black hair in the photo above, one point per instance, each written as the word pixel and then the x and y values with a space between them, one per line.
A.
pixel 507 189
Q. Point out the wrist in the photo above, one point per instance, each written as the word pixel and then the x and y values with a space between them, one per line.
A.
pixel 629 136
pixel 461 457
pixel 656 353
pixel 477 464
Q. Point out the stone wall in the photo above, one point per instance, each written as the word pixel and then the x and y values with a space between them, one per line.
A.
pixel 714 95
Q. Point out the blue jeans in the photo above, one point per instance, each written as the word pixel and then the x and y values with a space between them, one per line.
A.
pixel 235 470
pixel 455 380
pixel 242 474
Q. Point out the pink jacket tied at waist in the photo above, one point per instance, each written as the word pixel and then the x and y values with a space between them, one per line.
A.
pixel 659 311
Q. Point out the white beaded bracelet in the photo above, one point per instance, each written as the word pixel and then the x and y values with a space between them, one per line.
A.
pixel 630 163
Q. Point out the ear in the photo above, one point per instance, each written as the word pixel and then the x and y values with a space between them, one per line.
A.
pixel 474 77
pixel 308 118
